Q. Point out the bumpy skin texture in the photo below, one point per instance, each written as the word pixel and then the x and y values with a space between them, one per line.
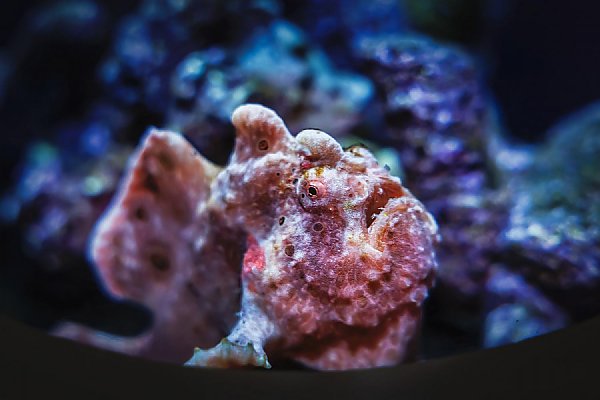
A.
pixel 338 258
pixel 339 254
pixel 157 246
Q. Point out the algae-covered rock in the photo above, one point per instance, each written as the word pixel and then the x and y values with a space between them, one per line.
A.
pixel 553 232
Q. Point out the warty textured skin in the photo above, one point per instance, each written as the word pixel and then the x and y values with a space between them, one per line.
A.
pixel 338 254
pixel 154 246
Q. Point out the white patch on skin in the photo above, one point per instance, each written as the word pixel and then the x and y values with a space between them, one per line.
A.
pixel 320 146
pixel 271 269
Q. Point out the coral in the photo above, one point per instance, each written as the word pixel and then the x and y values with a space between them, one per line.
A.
pixel 152 41
pixel 337 24
pixel 56 205
pixel 552 237
pixel 294 75
pixel 277 67
pixel 38 83
pixel 338 254
pixel 515 310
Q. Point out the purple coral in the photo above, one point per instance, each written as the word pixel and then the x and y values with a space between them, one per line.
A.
pixel 552 236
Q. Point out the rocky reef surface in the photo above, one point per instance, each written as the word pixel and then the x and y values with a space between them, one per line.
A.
pixel 518 254
pixel 553 230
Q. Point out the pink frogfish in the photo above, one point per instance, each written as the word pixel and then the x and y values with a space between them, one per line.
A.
pixel 296 250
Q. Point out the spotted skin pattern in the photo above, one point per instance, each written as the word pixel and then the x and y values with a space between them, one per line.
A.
pixel 337 255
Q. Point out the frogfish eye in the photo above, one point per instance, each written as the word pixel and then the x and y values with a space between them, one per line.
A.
pixel 315 190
